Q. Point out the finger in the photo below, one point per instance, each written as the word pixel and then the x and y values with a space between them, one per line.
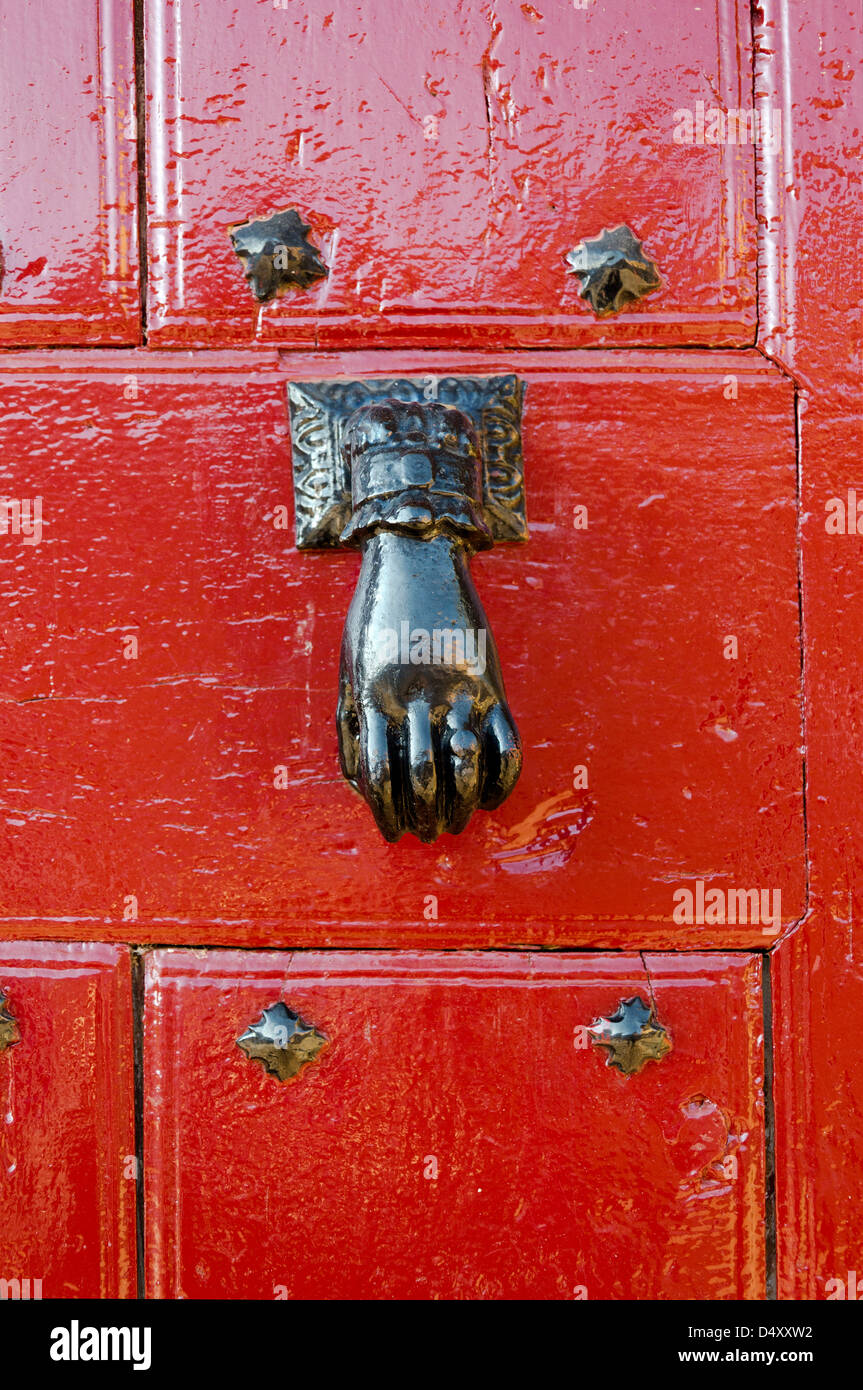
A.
pixel 348 728
pixel 376 774
pixel 462 761
pixel 420 782
pixel 502 748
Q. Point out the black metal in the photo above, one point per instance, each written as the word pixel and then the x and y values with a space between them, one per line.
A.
pixel 282 1042
pixel 276 254
pixel 9 1034
pixel 631 1036
pixel 613 270
pixel 320 411
pixel 425 732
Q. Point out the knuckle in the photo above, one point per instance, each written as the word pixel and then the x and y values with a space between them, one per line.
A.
pixel 511 761
pixel 379 779
pixel 422 776
pixel 376 774
pixel 464 745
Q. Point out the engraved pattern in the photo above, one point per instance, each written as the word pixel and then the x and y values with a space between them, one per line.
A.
pixel 322 487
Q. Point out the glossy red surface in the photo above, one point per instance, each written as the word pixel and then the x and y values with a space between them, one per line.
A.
pixel 67 1175
pixel 446 165
pixel 68 174
pixel 447 159
pixel 154 777
pixel 812 65
pixel 556 1177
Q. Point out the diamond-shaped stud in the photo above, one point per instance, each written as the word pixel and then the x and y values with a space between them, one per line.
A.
pixel 631 1036
pixel 613 270
pixel 282 1042
pixel 276 253
pixel 9 1034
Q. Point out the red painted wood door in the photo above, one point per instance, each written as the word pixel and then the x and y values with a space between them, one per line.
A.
pixel 168 658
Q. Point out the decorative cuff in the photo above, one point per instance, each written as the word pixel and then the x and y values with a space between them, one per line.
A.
pixel 420 514
pixel 414 469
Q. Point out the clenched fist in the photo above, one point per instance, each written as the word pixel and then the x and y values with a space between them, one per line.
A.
pixel 425 732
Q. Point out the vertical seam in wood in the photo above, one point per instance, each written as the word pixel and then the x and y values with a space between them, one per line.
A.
pixel 137 956
pixel 753 21
pixel 141 139
pixel 769 1136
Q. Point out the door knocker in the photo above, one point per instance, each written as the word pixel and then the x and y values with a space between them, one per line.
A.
pixel 418 484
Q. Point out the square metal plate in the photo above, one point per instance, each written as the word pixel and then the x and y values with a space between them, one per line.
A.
pixel 320 410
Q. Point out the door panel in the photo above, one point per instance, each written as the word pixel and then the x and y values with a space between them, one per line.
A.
pixel 160 543
pixel 68 173
pixel 67 1165
pixel 446 165
pixel 458 1136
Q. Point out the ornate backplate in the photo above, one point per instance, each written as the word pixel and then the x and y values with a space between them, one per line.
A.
pixel 320 410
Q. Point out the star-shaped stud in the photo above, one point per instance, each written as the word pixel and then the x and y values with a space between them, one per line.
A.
pixel 9 1034
pixel 631 1036
pixel 276 253
pixel 613 270
pixel 282 1042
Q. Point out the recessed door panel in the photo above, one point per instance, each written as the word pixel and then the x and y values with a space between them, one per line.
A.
pixel 172 678
pixel 446 161
pixel 457 1135
pixel 68 180
pixel 67 1148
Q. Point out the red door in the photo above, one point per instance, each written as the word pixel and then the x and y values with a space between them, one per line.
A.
pixel 528 1060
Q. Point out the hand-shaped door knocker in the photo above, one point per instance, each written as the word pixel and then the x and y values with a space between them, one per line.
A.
pixel 418 485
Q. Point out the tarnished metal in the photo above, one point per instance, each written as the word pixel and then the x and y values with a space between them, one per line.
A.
pixel 425 732
pixel 282 1042
pixel 9 1033
pixel 613 270
pixel 276 254
pixel 631 1036
pixel 320 411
